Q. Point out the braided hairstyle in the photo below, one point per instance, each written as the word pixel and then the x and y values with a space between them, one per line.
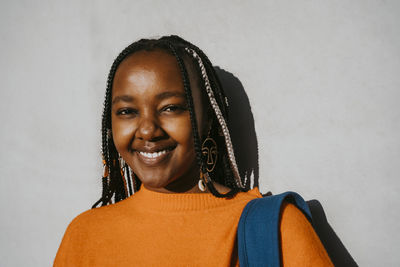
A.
pixel 118 180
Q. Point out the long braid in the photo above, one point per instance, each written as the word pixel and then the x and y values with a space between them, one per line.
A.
pixel 195 131
pixel 110 186
pixel 228 178
pixel 216 87
pixel 227 174
pixel 222 103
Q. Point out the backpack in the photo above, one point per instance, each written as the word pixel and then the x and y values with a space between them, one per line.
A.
pixel 258 229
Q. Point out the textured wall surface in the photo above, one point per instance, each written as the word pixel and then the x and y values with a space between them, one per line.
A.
pixel 322 78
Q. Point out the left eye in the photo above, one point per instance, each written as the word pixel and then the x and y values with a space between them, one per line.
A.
pixel 126 112
pixel 173 108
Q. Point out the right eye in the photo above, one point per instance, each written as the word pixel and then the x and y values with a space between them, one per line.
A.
pixel 126 112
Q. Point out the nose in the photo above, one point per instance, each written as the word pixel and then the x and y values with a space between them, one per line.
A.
pixel 149 129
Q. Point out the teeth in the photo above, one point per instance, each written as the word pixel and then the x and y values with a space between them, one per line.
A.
pixel 153 155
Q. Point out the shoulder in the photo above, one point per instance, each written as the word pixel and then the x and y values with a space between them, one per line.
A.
pixel 243 198
pixel 252 193
pixel 83 231
pixel 93 219
pixel 293 217
pixel 295 226
pixel 300 244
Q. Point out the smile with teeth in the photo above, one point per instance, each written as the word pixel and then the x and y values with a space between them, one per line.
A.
pixel 153 155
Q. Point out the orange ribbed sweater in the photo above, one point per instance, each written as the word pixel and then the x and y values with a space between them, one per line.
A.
pixel 156 229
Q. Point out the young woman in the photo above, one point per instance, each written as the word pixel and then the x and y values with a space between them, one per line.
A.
pixel 172 193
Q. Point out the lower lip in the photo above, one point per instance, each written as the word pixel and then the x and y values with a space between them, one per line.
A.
pixel 153 161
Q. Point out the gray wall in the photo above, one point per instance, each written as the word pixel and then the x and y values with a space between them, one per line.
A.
pixel 322 78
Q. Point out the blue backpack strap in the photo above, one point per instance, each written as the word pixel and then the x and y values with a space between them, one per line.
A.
pixel 258 229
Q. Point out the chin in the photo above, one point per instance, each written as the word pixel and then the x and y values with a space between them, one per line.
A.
pixel 153 181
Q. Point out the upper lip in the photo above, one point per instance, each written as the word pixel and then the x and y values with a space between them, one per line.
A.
pixel 155 148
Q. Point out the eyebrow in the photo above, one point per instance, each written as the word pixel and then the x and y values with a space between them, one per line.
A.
pixel 122 98
pixel 165 95
pixel 161 96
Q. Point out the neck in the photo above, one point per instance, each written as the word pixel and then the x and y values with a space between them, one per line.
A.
pixel 185 184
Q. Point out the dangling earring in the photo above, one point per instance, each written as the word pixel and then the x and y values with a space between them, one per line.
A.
pixel 123 170
pixel 105 180
pixel 210 151
pixel 105 170
pixel 127 175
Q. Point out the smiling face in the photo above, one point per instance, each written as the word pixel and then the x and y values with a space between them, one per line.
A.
pixel 151 125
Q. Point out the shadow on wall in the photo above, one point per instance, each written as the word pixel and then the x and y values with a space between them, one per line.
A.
pixel 335 248
pixel 241 124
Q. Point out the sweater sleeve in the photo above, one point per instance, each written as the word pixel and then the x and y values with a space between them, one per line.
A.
pixel 300 244
pixel 72 246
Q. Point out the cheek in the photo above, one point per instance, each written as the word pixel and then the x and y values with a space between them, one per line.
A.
pixel 122 133
pixel 181 131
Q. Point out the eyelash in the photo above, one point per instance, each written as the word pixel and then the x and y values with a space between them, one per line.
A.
pixel 173 108
pixel 168 109
pixel 126 111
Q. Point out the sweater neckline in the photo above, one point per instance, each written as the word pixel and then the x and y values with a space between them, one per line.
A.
pixel 156 201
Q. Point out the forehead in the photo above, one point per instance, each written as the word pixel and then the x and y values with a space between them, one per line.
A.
pixel 148 71
pixel 158 62
pixel 149 59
